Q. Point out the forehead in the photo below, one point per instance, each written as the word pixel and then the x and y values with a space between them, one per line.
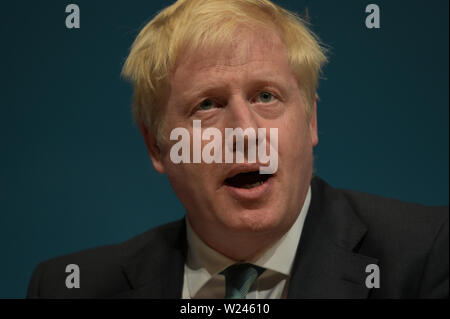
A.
pixel 255 49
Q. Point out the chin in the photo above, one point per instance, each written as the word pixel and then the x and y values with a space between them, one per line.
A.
pixel 262 220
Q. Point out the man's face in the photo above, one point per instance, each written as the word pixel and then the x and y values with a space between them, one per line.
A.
pixel 248 85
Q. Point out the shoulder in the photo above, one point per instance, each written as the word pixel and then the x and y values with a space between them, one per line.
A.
pixel 100 267
pixel 410 240
pixel 387 215
pixel 397 218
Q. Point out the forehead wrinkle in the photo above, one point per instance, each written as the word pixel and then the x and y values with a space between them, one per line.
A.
pixel 210 78
pixel 247 45
pixel 201 66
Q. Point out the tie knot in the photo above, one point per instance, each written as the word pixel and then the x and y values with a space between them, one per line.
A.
pixel 239 278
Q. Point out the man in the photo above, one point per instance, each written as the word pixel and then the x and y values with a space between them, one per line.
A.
pixel 250 65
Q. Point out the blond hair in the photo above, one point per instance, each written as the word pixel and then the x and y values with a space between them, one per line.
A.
pixel 194 23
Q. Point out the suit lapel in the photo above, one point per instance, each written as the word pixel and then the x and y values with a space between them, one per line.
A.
pixel 326 264
pixel 156 271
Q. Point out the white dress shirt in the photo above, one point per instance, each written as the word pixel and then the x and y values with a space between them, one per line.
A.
pixel 202 269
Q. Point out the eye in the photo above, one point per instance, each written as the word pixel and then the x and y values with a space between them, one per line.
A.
pixel 265 97
pixel 205 105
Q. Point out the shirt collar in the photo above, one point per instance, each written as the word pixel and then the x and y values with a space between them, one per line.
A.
pixel 203 262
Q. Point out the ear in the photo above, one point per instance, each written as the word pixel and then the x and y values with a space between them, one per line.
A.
pixel 153 149
pixel 313 125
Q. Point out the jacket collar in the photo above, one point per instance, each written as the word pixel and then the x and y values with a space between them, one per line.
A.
pixel 326 264
pixel 156 270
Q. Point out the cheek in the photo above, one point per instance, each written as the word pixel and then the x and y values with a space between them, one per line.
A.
pixel 191 182
pixel 187 188
pixel 294 135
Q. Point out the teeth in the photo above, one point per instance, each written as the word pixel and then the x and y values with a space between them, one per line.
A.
pixel 252 185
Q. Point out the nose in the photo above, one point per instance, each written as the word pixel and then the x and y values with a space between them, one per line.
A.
pixel 244 122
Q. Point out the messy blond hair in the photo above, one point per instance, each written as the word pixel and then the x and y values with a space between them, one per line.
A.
pixel 195 23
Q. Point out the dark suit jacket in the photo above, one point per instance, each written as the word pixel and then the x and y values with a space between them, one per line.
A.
pixel 344 232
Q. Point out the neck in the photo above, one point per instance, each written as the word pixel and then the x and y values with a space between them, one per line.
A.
pixel 241 246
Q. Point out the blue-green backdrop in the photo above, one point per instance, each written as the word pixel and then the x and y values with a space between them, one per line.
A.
pixel 74 171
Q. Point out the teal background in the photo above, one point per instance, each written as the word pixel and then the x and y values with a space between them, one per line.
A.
pixel 74 171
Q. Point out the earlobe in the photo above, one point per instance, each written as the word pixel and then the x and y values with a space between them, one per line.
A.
pixel 153 149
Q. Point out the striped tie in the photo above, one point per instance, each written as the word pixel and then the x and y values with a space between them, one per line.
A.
pixel 239 278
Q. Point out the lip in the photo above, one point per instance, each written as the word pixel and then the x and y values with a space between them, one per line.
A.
pixel 242 168
pixel 249 194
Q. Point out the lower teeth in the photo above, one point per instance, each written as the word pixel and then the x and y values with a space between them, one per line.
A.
pixel 252 185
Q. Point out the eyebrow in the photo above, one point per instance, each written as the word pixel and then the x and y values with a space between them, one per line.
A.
pixel 212 88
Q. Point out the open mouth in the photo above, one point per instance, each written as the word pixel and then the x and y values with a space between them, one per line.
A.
pixel 247 180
